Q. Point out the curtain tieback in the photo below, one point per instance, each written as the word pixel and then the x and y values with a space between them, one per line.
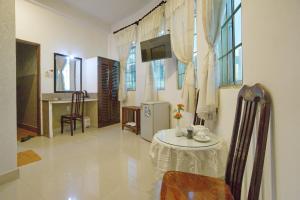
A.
pixel 190 82
pixel 211 55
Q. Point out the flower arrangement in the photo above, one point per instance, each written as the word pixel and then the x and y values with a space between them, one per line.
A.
pixel 178 115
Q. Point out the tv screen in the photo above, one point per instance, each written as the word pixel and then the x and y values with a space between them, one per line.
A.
pixel 157 48
pixel 159 51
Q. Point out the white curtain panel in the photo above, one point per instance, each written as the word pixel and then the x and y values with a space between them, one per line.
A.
pixel 180 19
pixel 212 11
pixel 124 40
pixel 149 28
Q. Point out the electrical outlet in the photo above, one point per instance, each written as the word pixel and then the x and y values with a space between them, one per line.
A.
pixel 68 108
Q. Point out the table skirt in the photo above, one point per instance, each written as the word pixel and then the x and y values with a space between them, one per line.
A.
pixel 208 161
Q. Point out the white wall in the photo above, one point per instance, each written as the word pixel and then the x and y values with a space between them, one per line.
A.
pixel 57 32
pixel 171 94
pixel 271 30
pixel 91 75
pixel 135 16
pixel 271 57
pixel 8 141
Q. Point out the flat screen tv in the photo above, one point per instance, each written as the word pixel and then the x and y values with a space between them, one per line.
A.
pixel 156 48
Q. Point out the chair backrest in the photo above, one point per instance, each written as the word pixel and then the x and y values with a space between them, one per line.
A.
pixel 77 106
pixel 249 98
pixel 197 119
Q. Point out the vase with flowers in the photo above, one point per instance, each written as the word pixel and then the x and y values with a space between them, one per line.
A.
pixel 178 116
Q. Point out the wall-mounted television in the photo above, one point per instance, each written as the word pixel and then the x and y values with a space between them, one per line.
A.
pixel 156 48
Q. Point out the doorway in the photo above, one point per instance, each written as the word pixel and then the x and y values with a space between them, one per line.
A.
pixel 28 89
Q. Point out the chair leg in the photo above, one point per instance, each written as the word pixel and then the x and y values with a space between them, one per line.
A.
pixel 71 125
pixel 82 125
pixel 61 125
pixel 74 124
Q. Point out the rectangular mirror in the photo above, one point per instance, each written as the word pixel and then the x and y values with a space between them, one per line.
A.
pixel 67 73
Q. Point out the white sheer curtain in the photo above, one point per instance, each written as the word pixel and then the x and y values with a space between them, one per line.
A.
pixel 124 40
pixel 149 28
pixel 212 11
pixel 180 18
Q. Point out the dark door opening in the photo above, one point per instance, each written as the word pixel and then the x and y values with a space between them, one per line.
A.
pixel 28 88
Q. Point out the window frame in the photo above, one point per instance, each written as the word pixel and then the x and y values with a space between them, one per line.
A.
pixel 132 72
pixel 232 51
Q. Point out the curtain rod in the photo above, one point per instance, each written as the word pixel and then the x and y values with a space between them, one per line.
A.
pixel 138 21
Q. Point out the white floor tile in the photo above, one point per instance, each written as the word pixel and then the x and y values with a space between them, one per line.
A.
pixel 107 163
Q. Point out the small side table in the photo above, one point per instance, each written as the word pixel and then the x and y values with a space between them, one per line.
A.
pixel 131 118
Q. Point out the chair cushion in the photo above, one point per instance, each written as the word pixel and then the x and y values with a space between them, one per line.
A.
pixel 186 186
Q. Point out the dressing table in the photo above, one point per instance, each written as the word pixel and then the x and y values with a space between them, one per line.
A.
pixel 54 108
pixel 67 79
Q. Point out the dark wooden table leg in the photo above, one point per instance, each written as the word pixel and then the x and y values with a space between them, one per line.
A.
pixel 61 125
pixel 123 118
pixel 138 121
pixel 71 125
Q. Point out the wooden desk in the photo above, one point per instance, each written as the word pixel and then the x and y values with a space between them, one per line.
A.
pixel 53 109
pixel 131 114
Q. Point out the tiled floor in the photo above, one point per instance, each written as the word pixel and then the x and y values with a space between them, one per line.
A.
pixel 102 164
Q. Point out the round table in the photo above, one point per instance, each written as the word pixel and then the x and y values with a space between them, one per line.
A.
pixel 169 152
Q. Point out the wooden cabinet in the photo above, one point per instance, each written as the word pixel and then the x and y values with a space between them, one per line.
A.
pixel 108 86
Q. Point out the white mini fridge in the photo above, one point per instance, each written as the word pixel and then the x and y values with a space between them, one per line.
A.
pixel 155 116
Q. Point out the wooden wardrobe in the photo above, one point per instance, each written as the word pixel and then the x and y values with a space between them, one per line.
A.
pixel 108 86
pixel 102 77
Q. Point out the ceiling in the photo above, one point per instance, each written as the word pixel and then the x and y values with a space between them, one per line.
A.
pixel 107 11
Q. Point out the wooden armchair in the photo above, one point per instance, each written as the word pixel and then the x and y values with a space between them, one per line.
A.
pixel 186 186
pixel 77 112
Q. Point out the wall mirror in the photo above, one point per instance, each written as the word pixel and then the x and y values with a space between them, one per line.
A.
pixel 67 73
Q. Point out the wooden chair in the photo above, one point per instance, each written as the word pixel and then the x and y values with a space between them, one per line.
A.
pixel 183 186
pixel 197 119
pixel 77 110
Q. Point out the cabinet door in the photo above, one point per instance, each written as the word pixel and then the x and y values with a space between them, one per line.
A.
pixel 115 104
pixel 104 116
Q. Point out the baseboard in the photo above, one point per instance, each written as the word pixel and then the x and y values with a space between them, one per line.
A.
pixel 9 176
pixel 28 127
pixel 68 129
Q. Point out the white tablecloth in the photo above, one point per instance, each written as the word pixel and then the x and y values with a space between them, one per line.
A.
pixel 171 153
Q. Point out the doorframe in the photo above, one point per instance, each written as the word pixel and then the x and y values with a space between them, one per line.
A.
pixel 38 55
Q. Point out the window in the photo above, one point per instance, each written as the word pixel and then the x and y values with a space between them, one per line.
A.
pixel 180 66
pixel 159 74
pixel 230 46
pixel 130 72
pixel 159 70
pixel 180 74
